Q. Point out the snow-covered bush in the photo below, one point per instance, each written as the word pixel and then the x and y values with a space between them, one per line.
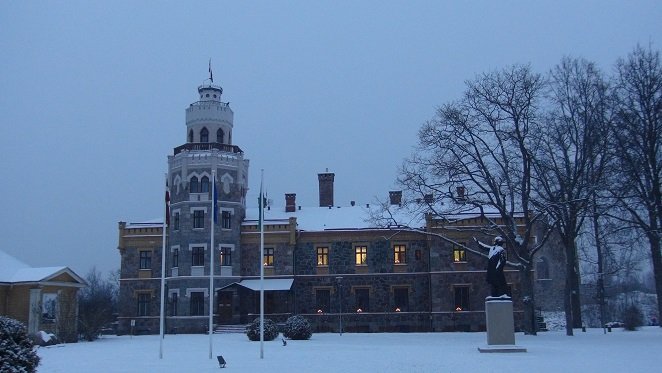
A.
pixel 297 327
pixel 270 330
pixel 632 318
pixel 16 349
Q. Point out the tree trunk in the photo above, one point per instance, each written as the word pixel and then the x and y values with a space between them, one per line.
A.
pixel 528 298
pixel 657 271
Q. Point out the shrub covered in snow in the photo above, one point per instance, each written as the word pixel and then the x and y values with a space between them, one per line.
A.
pixel 632 318
pixel 270 330
pixel 16 349
pixel 297 327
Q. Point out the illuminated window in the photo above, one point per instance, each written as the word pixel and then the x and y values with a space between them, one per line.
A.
pixel 268 257
pixel 362 296
pixel 461 298
pixel 322 256
pixel 361 255
pixel 145 260
pixel 143 304
pixel 198 219
pixel 400 254
pixel 401 299
pixel 322 300
pixel 197 305
pixel 226 258
pixel 198 256
pixel 459 254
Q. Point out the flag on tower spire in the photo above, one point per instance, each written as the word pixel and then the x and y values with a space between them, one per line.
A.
pixel 211 75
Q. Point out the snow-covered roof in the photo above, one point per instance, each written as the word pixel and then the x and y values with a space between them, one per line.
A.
pixel 323 218
pixel 151 223
pixel 269 284
pixel 13 270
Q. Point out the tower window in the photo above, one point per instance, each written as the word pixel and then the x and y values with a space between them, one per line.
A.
pixel 194 187
pixel 204 135
pixel 204 185
pixel 190 136
pixel 219 136
pixel 226 219
pixel 198 219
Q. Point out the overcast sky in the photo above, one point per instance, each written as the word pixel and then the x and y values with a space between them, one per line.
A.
pixel 92 96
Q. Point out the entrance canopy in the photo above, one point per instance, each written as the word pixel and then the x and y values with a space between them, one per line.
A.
pixel 269 284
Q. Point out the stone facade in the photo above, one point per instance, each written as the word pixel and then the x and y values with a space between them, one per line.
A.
pixel 374 279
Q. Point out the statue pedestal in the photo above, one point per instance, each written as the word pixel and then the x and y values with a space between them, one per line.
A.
pixel 500 326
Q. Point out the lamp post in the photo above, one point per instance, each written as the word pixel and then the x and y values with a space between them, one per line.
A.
pixel 339 281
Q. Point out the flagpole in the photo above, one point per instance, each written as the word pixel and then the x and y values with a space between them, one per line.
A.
pixel 211 261
pixel 261 204
pixel 163 260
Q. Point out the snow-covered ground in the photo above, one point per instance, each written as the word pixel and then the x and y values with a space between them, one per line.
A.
pixel 592 351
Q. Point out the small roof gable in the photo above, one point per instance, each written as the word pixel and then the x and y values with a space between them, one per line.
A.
pixel 13 270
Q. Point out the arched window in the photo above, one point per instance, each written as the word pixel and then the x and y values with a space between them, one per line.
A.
pixel 194 187
pixel 542 268
pixel 204 185
pixel 230 138
pixel 219 136
pixel 204 135
pixel 190 136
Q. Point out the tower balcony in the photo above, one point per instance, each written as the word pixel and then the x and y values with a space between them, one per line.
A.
pixel 201 146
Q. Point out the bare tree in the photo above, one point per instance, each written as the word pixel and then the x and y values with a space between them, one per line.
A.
pixel 97 303
pixel 483 144
pixel 571 161
pixel 639 146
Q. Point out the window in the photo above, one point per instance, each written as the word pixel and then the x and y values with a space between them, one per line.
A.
pixel 174 298
pixel 197 303
pixel 322 256
pixel 204 135
pixel 219 136
pixel 226 258
pixel 145 260
pixel 461 298
pixel 361 255
pixel 362 296
pixel 204 185
pixel 190 136
pixel 176 222
pixel 143 304
pixel 175 257
pixel 401 299
pixel 226 219
pixel 400 254
pixel 198 256
pixel 542 269
pixel 198 219
pixel 459 254
pixel 417 254
pixel 194 187
pixel 268 257
pixel 323 300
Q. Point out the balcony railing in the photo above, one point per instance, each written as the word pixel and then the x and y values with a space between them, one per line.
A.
pixel 208 146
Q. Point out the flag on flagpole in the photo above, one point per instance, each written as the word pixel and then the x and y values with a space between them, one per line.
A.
pixel 211 74
pixel 167 204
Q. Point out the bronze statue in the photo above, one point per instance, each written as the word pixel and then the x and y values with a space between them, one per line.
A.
pixel 495 264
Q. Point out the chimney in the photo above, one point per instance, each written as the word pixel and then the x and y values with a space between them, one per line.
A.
pixel 460 193
pixel 326 188
pixel 395 196
pixel 290 202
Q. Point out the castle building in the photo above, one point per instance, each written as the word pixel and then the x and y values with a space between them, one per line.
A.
pixel 329 263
